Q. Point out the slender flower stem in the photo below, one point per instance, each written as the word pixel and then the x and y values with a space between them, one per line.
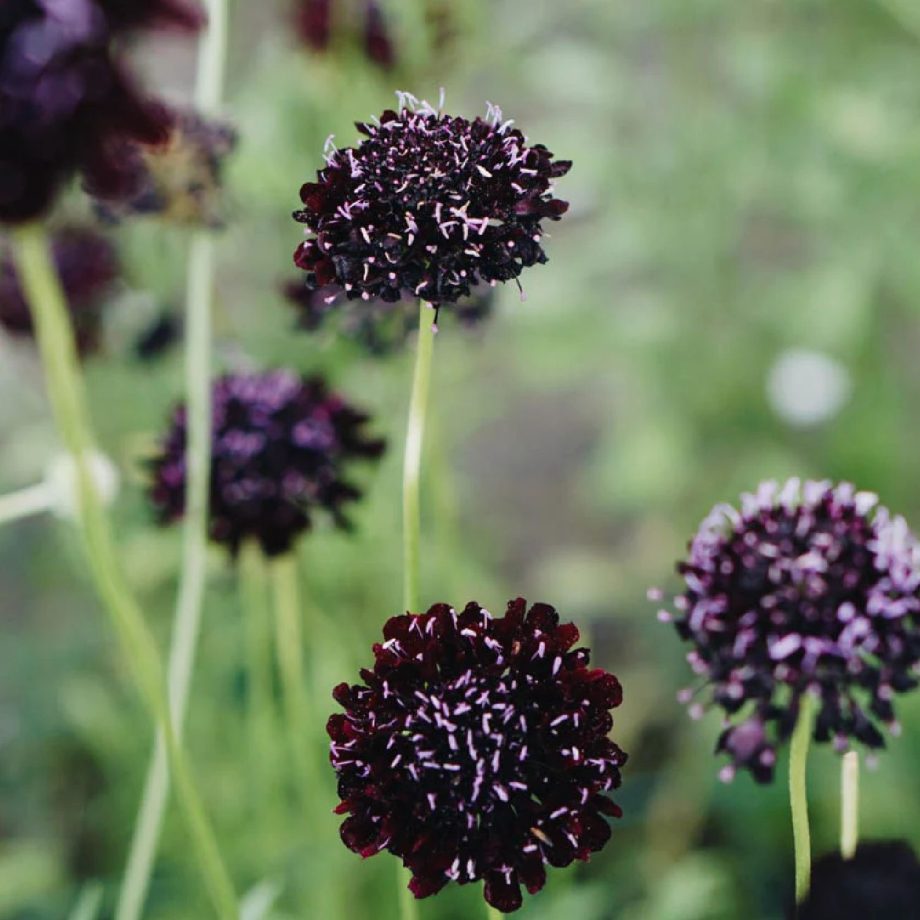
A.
pixel 798 796
pixel 415 434
pixel 492 913
pixel 412 465
pixel 849 804
pixel 187 619
pixel 289 649
pixel 68 402
pixel 25 503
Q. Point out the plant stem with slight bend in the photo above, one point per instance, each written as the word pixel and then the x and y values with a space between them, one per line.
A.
pixel 187 619
pixel 68 401
pixel 798 795
pixel 849 804
pixel 14 506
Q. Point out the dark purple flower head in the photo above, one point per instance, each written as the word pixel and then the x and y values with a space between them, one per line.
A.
pixel 808 588
pixel 280 447
pixel 87 266
pixel 428 206
pixel 362 23
pixel 380 328
pixel 881 882
pixel 181 180
pixel 477 748
pixel 66 101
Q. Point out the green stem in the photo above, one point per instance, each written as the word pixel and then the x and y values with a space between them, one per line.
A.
pixel 849 802
pixel 25 503
pixel 408 904
pixel 289 649
pixel 798 796
pixel 68 402
pixel 187 618
pixel 412 465
pixel 492 913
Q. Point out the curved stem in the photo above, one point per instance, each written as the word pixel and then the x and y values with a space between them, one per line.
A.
pixel 412 464
pixel 798 796
pixel 492 913
pixel 187 618
pixel 25 503
pixel 849 804
pixel 68 401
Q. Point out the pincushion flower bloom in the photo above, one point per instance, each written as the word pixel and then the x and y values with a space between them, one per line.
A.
pixel 428 206
pixel 67 101
pixel 281 446
pixel 87 266
pixel 808 588
pixel 477 749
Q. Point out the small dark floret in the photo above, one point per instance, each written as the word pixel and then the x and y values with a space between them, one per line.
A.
pixel 67 102
pixel 280 447
pixel 380 328
pixel 428 206
pixel 362 24
pixel 808 588
pixel 87 266
pixel 180 180
pixel 477 749
pixel 881 882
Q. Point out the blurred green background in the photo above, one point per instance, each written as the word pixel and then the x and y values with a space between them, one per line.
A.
pixel 746 181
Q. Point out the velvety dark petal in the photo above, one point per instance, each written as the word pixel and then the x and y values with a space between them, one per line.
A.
pixel 503 893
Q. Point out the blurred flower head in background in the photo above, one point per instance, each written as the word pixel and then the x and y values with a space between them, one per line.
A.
pixel 87 266
pixel 477 748
pixel 322 23
pixel 807 387
pixel 882 880
pixel 428 206
pixel 66 100
pixel 808 588
pixel 280 447
pixel 379 327
pixel 181 180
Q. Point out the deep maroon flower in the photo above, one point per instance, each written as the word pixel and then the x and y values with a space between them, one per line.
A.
pixel 66 101
pixel 380 328
pixel 314 23
pixel 378 44
pixel 428 206
pixel 280 447
pixel 87 266
pixel 180 181
pixel 808 588
pixel 881 882
pixel 362 23
pixel 477 748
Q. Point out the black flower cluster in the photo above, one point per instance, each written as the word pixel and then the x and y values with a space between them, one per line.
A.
pixel 428 206
pixel 379 327
pixel 66 101
pixel 87 266
pixel 181 180
pixel 808 588
pixel 280 445
pixel 363 23
pixel 477 748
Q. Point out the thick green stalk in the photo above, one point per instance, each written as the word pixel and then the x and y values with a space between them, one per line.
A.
pixel 849 804
pixel 68 402
pixel 187 619
pixel 798 796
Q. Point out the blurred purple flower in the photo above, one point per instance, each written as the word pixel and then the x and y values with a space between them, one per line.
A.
pixel 363 22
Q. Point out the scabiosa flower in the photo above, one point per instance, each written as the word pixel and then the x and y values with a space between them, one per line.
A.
pixel 428 206
pixel 362 22
pixel 66 100
pixel 181 180
pixel 87 266
pixel 477 748
pixel 380 328
pixel 280 447
pixel 808 588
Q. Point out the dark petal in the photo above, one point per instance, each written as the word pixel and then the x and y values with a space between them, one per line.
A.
pixel 425 886
pixel 501 893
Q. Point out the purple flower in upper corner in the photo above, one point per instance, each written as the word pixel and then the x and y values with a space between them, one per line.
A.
pixel 87 266
pixel 428 206
pixel 809 588
pixel 67 103
pixel 281 445
pixel 881 880
pixel 364 23
pixel 477 749
pixel 180 180
pixel 380 328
